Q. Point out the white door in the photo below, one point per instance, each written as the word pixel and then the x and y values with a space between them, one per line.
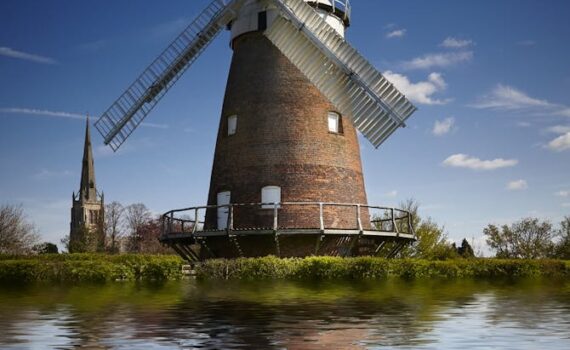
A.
pixel 223 199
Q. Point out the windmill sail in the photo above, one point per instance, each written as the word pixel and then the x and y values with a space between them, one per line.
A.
pixel 129 110
pixel 343 76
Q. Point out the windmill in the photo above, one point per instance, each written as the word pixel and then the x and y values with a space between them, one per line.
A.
pixel 287 176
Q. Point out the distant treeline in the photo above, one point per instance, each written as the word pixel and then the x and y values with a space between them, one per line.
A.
pixel 527 238
pixel 126 229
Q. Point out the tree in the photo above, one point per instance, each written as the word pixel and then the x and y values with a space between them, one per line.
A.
pixel 45 248
pixel 431 238
pixel 17 234
pixel 65 242
pixel 411 206
pixel 114 223
pixel 85 240
pixel 528 238
pixel 562 248
pixel 432 242
pixel 137 215
pixel 149 234
pixel 465 251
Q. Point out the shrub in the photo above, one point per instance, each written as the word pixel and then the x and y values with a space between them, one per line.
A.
pixel 327 268
pixel 97 268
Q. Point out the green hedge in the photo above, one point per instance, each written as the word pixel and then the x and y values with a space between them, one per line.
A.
pixel 323 268
pixel 105 268
pixel 89 268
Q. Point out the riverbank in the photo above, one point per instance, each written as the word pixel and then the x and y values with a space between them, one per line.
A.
pixel 101 268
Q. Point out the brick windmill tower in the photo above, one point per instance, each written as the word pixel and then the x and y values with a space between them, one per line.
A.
pixel 287 176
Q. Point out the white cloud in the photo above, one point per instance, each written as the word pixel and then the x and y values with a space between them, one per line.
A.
pixel 154 125
pixel 422 91
pixel 8 52
pixel 170 28
pixel 561 143
pixel 464 161
pixel 50 174
pixel 391 194
pixel 61 114
pixel 563 193
pixel 398 33
pixel 440 60
pixel 508 98
pixel 443 127
pixel 566 205
pixel 559 129
pixel 454 43
pixel 517 185
pixel 565 112
pixel 42 112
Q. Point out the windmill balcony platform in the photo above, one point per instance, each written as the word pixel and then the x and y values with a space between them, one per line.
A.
pixel 286 229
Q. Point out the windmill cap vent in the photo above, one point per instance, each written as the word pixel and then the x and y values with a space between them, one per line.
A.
pixel 339 8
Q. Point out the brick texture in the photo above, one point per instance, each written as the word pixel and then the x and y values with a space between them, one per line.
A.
pixel 282 139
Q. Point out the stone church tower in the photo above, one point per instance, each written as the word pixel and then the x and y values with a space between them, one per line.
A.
pixel 88 211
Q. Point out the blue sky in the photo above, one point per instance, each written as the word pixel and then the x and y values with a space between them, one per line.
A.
pixel 490 142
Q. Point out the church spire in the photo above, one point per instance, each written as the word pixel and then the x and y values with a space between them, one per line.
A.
pixel 88 190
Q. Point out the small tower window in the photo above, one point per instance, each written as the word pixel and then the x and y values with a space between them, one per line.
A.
pixel 270 194
pixel 232 124
pixel 262 20
pixel 334 123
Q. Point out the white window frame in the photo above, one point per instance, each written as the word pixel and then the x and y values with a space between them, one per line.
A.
pixel 232 124
pixel 333 122
pixel 270 194
pixel 223 198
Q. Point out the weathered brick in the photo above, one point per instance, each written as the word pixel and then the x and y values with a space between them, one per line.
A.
pixel 282 139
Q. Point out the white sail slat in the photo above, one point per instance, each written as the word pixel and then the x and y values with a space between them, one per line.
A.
pixel 342 75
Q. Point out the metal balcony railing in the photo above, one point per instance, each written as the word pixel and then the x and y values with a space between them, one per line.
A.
pixel 317 216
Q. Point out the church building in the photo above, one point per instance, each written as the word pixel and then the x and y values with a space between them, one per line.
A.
pixel 88 210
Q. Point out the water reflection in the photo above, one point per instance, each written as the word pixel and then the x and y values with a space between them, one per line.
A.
pixel 287 315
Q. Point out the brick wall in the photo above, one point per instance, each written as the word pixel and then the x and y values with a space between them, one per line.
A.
pixel 282 139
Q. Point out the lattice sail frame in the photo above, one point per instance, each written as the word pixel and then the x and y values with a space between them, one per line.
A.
pixel 342 75
pixel 129 110
pixel 339 72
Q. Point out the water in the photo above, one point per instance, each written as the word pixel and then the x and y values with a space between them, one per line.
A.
pixel 288 315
